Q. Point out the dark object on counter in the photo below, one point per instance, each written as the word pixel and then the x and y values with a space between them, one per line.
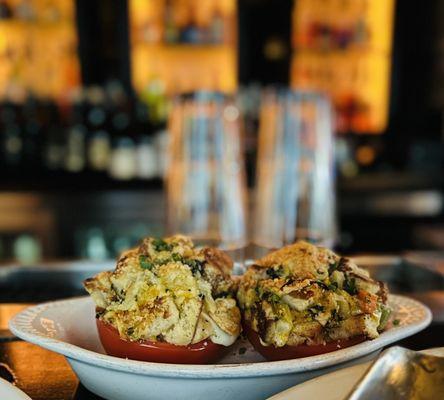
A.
pixel 6 373
pixel 48 282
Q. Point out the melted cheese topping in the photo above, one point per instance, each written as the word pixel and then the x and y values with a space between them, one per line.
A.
pixel 303 294
pixel 168 290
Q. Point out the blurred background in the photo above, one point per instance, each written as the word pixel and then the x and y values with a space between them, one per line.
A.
pixel 85 99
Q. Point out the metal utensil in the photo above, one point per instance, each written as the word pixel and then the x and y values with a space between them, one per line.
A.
pixel 400 373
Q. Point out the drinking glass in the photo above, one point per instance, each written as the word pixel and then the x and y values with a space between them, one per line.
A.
pixel 206 194
pixel 295 195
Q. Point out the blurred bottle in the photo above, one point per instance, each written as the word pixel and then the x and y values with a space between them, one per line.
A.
pixel 25 11
pixel 95 245
pixel 190 33
pixel 27 249
pixel 218 27
pixel 123 155
pixel 5 10
pixel 99 141
pixel 171 29
pixel 147 160
pixel 75 159
pixel 32 132
pixel 54 144
pixel 12 145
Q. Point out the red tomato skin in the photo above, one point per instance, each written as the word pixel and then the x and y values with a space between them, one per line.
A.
pixel 203 352
pixel 273 353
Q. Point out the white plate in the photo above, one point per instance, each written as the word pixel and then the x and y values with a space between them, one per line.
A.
pixel 336 385
pixel 10 392
pixel 68 327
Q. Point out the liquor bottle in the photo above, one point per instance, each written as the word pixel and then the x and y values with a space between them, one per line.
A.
pixel 25 11
pixel 171 31
pixel 122 164
pixel 7 118
pixel 217 27
pixel 99 141
pixel 190 33
pixel 12 145
pixel 5 10
pixel 147 160
pixel 54 143
pixel 75 159
pixel 32 132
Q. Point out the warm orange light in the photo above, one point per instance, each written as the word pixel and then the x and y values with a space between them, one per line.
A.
pixel 182 67
pixel 344 49
pixel 40 55
pixel 365 155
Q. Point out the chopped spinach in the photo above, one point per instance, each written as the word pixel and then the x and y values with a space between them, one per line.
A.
pixel 144 263
pixel 396 322
pixel 333 267
pixel 333 286
pixel 316 309
pixel 350 286
pixel 321 284
pixel 195 265
pixel 259 291
pixel 161 245
pixel 335 316
pixel 275 273
pixel 270 297
pixel 385 314
pixel 176 257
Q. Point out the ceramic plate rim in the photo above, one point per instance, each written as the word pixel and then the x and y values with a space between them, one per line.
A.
pixel 12 390
pixel 21 326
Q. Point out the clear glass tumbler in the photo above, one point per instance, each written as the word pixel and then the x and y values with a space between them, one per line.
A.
pixel 206 193
pixel 295 191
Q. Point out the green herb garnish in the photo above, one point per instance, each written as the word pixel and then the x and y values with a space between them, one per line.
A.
pixel 144 263
pixel 176 257
pixel 321 284
pixel 195 265
pixel 332 267
pixel 161 245
pixel 275 273
pixel 350 286
pixel 333 286
pixel 396 322
pixel 270 297
pixel 316 309
pixel 385 314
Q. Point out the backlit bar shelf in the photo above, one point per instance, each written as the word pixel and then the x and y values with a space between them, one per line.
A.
pixel 344 48
pixel 184 44
pixel 38 48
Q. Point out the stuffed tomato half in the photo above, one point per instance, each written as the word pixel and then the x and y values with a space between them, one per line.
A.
pixel 167 301
pixel 303 300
